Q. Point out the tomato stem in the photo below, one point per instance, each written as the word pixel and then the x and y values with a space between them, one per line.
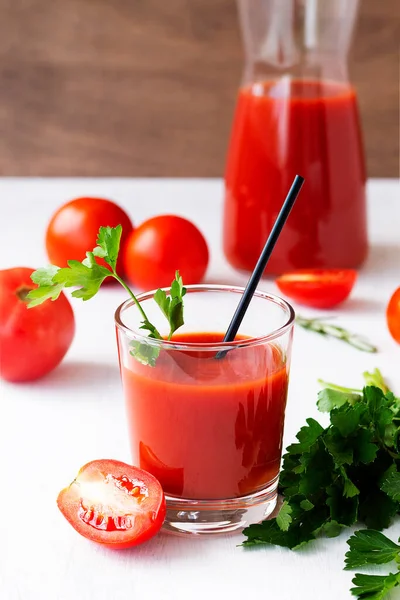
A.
pixel 22 293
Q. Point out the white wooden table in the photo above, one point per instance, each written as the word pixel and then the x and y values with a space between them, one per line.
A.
pixel 50 428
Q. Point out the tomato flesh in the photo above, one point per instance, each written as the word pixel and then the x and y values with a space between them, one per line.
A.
pixel 114 504
pixel 319 288
pixel 393 315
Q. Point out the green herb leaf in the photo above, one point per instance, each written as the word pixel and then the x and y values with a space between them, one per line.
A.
pixel 328 399
pixel 306 504
pixel 375 378
pixel 108 242
pixel 374 587
pixel 377 509
pixel 307 436
pixel 172 305
pixel 146 354
pixel 284 518
pixel 370 547
pixel 87 276
pixel 47 290
pixel 391 486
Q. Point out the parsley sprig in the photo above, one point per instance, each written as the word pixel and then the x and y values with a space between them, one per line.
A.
pixel 88 276
pixel 346 473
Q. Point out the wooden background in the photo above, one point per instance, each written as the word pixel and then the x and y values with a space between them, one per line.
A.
pixel 147 87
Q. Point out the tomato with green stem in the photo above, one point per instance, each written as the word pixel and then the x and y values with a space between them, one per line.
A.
pixel 32 343
pixel 318 288
pixel 114 504
pixel 393 315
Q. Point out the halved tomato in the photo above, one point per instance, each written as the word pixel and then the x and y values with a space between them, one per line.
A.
pixel 319 288
pixel 114 504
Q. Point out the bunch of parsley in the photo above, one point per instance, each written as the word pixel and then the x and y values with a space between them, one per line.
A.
pixel 346 473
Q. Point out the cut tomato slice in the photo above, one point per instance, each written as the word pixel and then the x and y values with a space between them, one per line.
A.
pixel 319 288
pixel 114 504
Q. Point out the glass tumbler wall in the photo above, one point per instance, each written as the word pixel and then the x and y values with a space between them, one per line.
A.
pixel 296 113
pixel 207 419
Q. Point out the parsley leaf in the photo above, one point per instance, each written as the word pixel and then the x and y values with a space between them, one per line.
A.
pixel 391 486
pixel 370 547
pixel 374 587
pixel 108 241
pixel 307 436
pixel 375 378
pixel 144 353
pixel 47 289
pixel 329 398
pixel 172 305
pixel 283 518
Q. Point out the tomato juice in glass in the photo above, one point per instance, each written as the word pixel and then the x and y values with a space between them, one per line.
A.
pixel 210 427
pixel 282 127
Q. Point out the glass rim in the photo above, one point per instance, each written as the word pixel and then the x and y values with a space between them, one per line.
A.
pixel 215 346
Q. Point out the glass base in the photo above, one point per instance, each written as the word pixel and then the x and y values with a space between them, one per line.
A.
pixel 209 517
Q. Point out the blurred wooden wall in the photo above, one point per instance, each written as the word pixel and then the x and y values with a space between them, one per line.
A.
pixel 147 87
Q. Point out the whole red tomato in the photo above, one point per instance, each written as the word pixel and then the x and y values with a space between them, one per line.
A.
pixel 32 341
pixel 73 229
pixel 393 315
pixel 162 245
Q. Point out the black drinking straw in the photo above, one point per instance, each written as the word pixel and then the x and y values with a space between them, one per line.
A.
pixel 262 262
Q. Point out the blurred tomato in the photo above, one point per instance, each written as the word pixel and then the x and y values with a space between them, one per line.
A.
pixel 32 341
pixel 393 315
pixel 162 245
pixel 73 229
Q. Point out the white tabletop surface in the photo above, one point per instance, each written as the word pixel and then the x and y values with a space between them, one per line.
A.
pixel 52 427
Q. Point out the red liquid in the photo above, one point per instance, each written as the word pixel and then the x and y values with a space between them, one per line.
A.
pixel 282 129
pixel 208 428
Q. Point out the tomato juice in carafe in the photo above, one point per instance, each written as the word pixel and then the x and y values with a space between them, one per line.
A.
pixel 296 113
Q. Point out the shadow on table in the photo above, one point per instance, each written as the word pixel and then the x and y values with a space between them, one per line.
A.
pixel 165 546
pixel 80 375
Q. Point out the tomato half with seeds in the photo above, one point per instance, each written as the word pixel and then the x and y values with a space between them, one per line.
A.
pixel 114 504
pixel 319 288
pixel 393 315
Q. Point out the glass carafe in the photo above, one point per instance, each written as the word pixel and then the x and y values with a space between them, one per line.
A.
pixel 296 113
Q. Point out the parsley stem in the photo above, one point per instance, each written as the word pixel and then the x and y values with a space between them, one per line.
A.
pixel 338 388
pixel 132 295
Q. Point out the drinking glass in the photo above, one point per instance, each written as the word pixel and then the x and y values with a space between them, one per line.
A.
pixel 207 419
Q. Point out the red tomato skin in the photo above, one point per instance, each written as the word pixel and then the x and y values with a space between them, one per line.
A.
pixel 32 341
pixel 160 246
pixel 325 288
pixel 393 315
pixel 68 503
pixel 73 229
